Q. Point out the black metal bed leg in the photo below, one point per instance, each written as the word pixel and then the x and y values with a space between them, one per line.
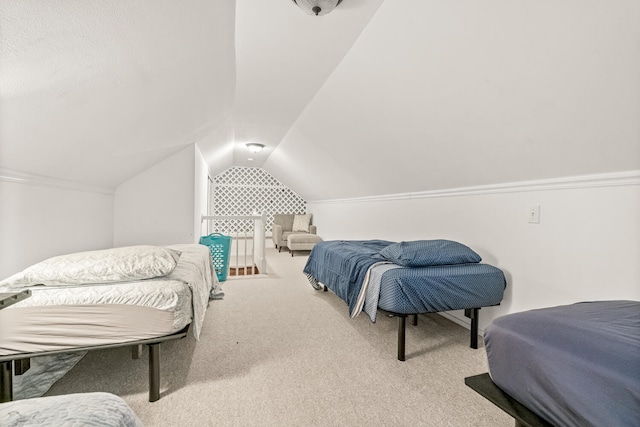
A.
pixel 6 381
pixel 402 322
pixel 136 351
pixel 473 314
pixel 415 320
pixel 326 289
pixel 20 366
pixel 154 371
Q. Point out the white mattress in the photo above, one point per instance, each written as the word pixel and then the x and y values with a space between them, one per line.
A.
pixel 59 318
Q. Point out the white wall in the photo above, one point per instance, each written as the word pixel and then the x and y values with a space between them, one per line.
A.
pixel 586 246
pixel 201 194
pixel 157 206
pixel 41 218
pixel 445 94
pixel 41 221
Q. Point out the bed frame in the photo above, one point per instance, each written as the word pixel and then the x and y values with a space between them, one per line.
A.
pixel 19 363
pixel 484 385
pixel 471 313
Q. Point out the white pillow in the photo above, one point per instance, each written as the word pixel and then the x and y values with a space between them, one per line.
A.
pixel 103 266
pixel 301 222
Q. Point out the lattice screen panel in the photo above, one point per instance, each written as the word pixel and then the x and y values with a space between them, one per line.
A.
pixel 243 191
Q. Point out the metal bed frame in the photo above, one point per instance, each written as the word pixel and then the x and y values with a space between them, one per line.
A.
pixel 471 313
pixel 19 363
pixel 524 417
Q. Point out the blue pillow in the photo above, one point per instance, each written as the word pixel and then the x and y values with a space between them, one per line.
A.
pixel 425 253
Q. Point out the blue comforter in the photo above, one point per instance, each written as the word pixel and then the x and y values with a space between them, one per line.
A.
pixel 341 265
pixel 574 365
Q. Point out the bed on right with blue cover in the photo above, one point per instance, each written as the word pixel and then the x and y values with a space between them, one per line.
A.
pixel 571 365
pixel 406 279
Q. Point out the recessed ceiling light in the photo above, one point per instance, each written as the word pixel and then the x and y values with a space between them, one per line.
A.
pixel 254 147
pixel 250 159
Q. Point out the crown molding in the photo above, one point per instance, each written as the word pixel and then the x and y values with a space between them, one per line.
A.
pixel 17 177
pixel 615 179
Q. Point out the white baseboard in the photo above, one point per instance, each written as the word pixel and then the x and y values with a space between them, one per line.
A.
pixel 464 322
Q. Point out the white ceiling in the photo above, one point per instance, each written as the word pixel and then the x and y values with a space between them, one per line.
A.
pixel 377 97
pixel 97 91
pixel 440 95
pixel 283 57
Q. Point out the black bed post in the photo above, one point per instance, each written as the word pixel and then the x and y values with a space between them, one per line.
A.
pixel 154 371
pixel 402 322
pixel 473 314
pixel 136 351
pixel 6 381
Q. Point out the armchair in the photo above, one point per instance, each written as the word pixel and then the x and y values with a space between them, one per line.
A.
pixel 283 226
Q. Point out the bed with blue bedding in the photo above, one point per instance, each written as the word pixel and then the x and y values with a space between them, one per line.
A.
pixel 570 365
pixel 406 278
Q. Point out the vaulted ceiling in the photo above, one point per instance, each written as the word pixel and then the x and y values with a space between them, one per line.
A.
pixel 97 91
pixel 377 97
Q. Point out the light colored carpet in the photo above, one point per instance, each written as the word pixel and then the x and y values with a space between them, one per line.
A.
pixel 276 352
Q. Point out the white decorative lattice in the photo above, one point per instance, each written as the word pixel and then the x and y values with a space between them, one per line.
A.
pixel 243 191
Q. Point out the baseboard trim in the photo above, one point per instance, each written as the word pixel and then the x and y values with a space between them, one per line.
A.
pixel 465 323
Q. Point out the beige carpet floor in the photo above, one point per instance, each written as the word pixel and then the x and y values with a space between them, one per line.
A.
pixel 276 352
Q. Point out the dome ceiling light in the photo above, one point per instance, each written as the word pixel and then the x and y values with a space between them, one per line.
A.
pixel 317 7
pixel 254 147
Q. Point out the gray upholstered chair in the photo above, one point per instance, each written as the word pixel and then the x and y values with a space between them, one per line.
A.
pixel 283 226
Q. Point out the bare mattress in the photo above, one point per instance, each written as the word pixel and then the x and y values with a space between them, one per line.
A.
pixel 61 315
pixel 573 365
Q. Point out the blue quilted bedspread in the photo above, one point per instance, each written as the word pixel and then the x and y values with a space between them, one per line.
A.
pixel 441 288
pixel 341 265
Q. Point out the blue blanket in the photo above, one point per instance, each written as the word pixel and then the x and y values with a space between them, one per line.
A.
pixel 574 365
pixel 341 265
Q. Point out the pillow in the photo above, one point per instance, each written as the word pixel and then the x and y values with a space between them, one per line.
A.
pixel 425 253
pixel 301 222
pixel 103 266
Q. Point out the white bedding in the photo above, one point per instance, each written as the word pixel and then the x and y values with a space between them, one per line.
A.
pixel 71 410
pixel 195 269
pixel 115 312
pixel 121 264
pixel 167 295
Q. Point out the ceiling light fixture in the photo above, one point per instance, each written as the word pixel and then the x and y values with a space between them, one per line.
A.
pixel 254 147
pixel 317 7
